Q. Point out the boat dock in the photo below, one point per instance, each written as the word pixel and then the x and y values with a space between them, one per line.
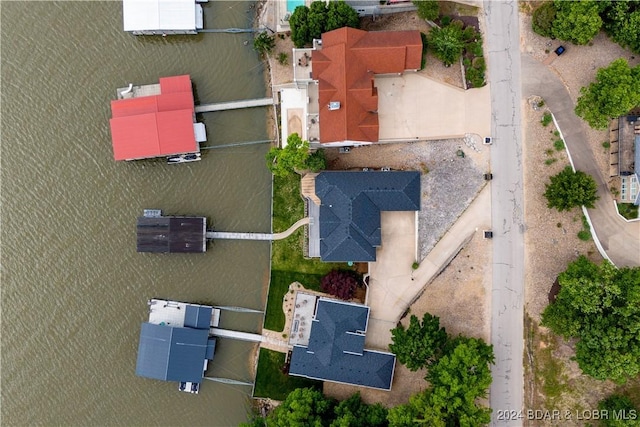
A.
pixel 243 336
pixel 234 105
pixel 257 236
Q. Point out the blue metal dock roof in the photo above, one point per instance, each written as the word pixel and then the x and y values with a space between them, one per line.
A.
pixel 171 353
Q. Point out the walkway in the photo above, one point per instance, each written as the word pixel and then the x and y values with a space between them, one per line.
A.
pixel 507 210
pixel 229 235
pixel 233 105
pixel 619 239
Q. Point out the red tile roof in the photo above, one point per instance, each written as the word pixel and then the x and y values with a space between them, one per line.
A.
pixel 154 126
pixel 345 69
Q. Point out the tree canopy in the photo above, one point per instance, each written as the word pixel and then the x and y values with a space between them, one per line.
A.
pixel 620 411
pixel 600 306
pixel 447 43
pixel 577 21
pixel 418 345
pixel 295 156
pixel 458 378
pixel 614 93
pixel 308 23
pixel 569 189
pixel 305 407
pixel 427 9
pixel 622 23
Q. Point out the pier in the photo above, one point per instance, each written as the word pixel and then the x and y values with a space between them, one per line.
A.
pixel 257 236
pixel 234 105
pixel 243 336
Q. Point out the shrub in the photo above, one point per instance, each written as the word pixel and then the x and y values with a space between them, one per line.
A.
pixel 264 43
pixel 317 161
pixel 427 9
pixel 283 58
pixel 446 42
pixel 558 144
pixel 606 145
pixel 584 235
pixel 569 189
pixel 543 18
pixel 546 119
pixel 340 283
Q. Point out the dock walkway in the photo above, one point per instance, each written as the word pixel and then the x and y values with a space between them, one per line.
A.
pixel 257 236
pixel 234 105
pixel 243 336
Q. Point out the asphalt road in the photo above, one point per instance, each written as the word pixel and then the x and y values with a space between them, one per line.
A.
pixel 502 45
pixel 619 239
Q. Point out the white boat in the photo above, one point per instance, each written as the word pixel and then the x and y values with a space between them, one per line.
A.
pixel 183 158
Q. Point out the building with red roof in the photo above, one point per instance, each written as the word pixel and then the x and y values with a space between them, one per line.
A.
pixel 344 65
pixel 156 121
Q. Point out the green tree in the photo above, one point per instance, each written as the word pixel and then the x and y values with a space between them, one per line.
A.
pixel 284 161
pixel 353 412
pixel 614 93
pixel 543 17
pixel 340 14
pixel 620 411
pixel 418 345
pixel 569 189
pixel 622 23
pixel 427 9
pixel 457 379
pixel 264 43
pixel 317 161
pixel 317 19
pixel 302 407
pixel 599 305
pixel 447 43
pixel 298 22
pixel 577 21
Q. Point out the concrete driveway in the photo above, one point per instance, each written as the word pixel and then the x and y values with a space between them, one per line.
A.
pixel 413 106
pixel 393 284
pixel 619 239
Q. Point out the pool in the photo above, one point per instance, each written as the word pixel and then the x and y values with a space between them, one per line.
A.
pixel 292 4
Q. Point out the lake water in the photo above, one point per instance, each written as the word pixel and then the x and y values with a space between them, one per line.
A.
pixel 74 290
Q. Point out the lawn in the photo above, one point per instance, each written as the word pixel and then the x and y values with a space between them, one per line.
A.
pixel 272 382
pixel 288 263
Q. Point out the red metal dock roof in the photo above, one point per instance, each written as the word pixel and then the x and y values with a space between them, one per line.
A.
pixel 157 125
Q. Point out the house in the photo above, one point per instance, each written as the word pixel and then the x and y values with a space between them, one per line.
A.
pixel 166 234
pixel 156 121
pixel 345 208
pixel 175 344
pixel 150 17
pixel 336 352
pixel 334 98
pixel 627 160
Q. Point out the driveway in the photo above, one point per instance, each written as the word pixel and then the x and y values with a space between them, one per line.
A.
pixel 502 45
pixel 413 106
pixel 393 284
pixel 618 238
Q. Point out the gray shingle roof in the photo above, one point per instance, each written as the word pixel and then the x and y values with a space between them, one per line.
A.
pixel 350 209
pixel 336 349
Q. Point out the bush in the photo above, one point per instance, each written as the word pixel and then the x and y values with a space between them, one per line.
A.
pixel 584 235
pixel 427 9
pixel 558 144
pixel 341 283
pixel 264 43
pixel 447 42
pixel 308 23
pixel 283 58
pixel 317 161
pixel 546 119
pixel 543 18
pixel 569 189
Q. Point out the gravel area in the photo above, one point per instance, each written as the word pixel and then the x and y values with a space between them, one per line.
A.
pixel 449 182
